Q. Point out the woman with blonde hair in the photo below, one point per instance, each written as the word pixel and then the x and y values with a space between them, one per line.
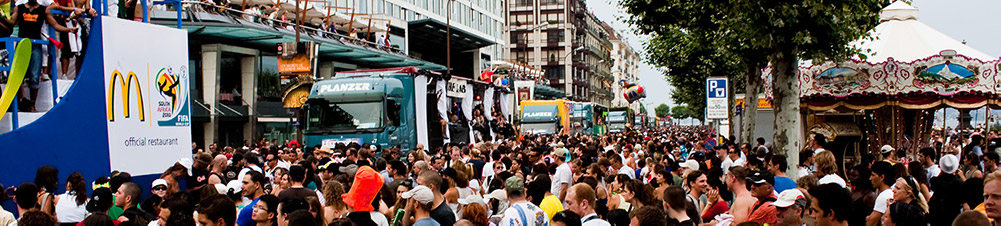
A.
pixel 335 207
pixel 827 169
pixel 906 190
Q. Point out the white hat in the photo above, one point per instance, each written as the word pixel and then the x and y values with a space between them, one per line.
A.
pixel 472 199
pixel 886 148
pixel 789 197
pixel 948 163
pixel 159 182
pixel 421 193
pixel 221 188
pixel 235 185
pixel 186 162
pixel 497 194
pixel 691 164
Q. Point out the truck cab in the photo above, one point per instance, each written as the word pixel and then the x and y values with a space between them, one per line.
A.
pixel 618 119
pixel 544 117
pixel 375 109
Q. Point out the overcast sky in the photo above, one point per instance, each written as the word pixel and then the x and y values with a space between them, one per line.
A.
pixel 970 20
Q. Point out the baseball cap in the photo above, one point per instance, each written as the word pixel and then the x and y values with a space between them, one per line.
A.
pixel 560 153
pixel 472 199
pixel 761 176
pixel 100 200
pixel 235 185
pixel 949 163
pixel 366 185
pixel 514 183
pixel 159 182
pixel 421 193
pixel 790 197
pixel 349 169
pixel 886 148
pixel 496 194
pixel 691 165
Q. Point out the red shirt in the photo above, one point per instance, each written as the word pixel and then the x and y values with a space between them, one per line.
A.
pixel 765 212
pixel 716 209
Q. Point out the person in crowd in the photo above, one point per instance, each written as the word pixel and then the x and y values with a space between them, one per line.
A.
pixel 675 206
pixel 253 188
pixel 805 164
pixel 883 177
pixel 420 202
pixel 906 190
pixel 474 210
pixel 176 211
pixel 777 166
pixel 697 187
pixel 564 176
pixel 297 175
pixel 46 179
pixel 827 169
pixel 441 212
pixel 904 213
pixel 127 198
pixel 364 190
pixel 581 200
pixel 947 202
pixel 569 218
pixel 790 207
pixel 762 188
pixel 971 218
pixel 647 215
pixel 36 217
pixel 522 212
pixel 743 201
pixel 830 205
pixel 216 210
pixel 863 194
pixel 927 159
pixel 715 205
pixel 71 206
pixel 992 196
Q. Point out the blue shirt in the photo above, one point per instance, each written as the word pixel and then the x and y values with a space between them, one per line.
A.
pixel 244 217
pixel 426 222
pixel 784 183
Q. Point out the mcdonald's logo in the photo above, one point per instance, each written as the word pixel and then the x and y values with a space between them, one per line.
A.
pixel 126 85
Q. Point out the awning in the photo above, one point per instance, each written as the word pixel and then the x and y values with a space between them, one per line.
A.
pixel 431 31
pixel 546 92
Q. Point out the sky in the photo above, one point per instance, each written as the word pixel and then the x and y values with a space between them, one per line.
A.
pixel 969 20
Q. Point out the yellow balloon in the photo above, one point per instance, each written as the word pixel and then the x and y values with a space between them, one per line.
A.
pixel 22 55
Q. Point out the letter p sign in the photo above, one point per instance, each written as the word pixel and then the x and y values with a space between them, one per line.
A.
pixel 717 88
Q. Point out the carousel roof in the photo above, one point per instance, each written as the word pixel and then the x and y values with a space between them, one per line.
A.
pixel 901 36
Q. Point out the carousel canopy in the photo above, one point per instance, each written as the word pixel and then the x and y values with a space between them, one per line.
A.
pixel 901 36
pixel 909 64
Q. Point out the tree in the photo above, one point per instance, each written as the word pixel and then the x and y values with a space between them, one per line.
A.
pixel 662 110
pixel 642 108
pixel 782 30
pixel 680 112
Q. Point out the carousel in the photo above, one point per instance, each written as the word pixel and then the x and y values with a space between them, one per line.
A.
pixel 890 96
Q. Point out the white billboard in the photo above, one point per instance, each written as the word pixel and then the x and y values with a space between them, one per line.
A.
pixel 716 99
pixel 147 93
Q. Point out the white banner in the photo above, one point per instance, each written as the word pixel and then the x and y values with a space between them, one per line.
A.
pixel 147 93
pixel 421 102
pixel 456 88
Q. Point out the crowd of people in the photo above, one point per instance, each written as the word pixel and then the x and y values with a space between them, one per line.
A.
pixel 675 176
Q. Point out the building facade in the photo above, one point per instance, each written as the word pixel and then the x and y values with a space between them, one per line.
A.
pixel 625 66
pixel 566 41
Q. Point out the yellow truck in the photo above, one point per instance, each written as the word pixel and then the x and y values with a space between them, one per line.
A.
pixel 544 117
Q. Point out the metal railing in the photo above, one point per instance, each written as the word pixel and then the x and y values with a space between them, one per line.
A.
pixel 280 24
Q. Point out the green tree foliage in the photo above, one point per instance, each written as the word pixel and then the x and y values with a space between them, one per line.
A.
pixel 642 108
pixel 662 110
pixel 682 111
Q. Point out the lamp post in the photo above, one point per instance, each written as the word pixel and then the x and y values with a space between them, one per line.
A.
pixel 448 39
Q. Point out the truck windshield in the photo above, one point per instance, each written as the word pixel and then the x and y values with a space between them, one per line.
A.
pixel 617 116
pixel 345 116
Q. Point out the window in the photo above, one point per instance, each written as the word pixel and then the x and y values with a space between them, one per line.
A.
pixel 363 6
pixel 524 2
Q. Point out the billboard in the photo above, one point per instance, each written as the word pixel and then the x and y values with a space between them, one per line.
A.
pixel 147 92
pixel 716 102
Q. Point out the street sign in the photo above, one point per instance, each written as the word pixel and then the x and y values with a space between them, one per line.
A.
pixel 716 99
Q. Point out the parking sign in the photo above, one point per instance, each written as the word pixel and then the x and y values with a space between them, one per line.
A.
pixel 716 99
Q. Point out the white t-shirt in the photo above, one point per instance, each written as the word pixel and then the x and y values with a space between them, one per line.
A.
pixel 563 175
pixel 379 218
pixel 803 171
pixel 628 172
pixel 832 178
pixel 882 199
pixel 933 171
pixel 532 213
pixel 727 163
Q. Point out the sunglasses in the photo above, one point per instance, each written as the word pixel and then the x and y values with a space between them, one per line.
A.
pixel 160 188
